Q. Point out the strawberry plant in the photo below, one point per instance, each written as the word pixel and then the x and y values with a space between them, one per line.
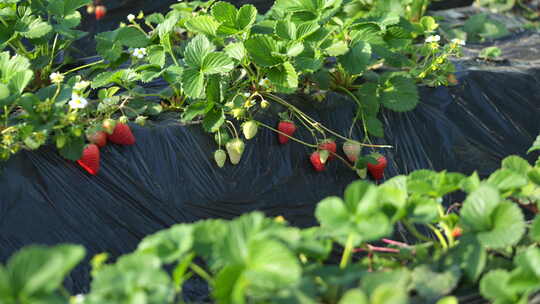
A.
pixel 358 253
pixel 223 67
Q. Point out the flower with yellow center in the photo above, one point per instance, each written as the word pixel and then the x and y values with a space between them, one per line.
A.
pixel 81 85
pixel 77 102
pixel 433 38
pixel 56 77
pixel 458 41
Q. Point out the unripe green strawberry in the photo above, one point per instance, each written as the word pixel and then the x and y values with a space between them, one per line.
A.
pixel 362 173
pixel 250 129
pixel 235 148
pixel 123 119
pixel 108 125
pixel 265 104
pixel 220 157
pixel 352 150
pixel 140 120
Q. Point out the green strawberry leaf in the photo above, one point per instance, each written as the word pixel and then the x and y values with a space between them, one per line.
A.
pixel 294 49
pixel 366 32
pixel 286 29
pixel 156 55
pixel 63 8
pixel 506 179
pixel 170 244
pixel 399 278
pixel 432 285
pixel 39 270
pixel 261 49
pixel 236 51
pixel 196 51
pixel 535 146
pixel 535 229
pixel 354 296
pixel 338 48
pixel 73 148
pixel 369 100
pixel 374 126
pixel 284 77
pixel 473 256
pixel 132 37
pixel 196 109
pixel 107 45
pixel 31 27
pixel 517 164
pixel 214 92
pixel 225 13
pixel 206 25
pixel 217 63
pixel 507 227
pixel 357 59
pixel 387 293
pixel 193 82
pixel 213 120
pixel 400 94
pixel 478 207
pixel 494 286
pixel 306 29
pixel 247 14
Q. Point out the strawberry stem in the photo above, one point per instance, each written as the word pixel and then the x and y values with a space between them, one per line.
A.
pixel 439 235
pixel 347 252
pixel 84 66
pixel 318 125
pixel 415 232
pixel 233 128
pixel 285 134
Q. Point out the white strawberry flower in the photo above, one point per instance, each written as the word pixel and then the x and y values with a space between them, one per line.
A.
pixel 139 53
pixel 433 38
pixel 131 17
pixel 265 82
pixel 81 85
pixel 247 95
pixel 458 41
pixel 77 102
pixel 56 77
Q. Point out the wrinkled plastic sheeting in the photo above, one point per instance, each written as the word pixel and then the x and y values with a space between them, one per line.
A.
pixel 169 176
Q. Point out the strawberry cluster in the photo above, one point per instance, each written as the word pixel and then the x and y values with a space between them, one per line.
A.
pixel 327 151
pixel 119 134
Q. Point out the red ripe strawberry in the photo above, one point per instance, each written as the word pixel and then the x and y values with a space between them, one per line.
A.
pixel 316 161
pixel 377 170
pixel 457 232
pixel 99 138
pixel 330 146
pixel 286 127
pixel 122 135
pixel 90 159
pixel 100 12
